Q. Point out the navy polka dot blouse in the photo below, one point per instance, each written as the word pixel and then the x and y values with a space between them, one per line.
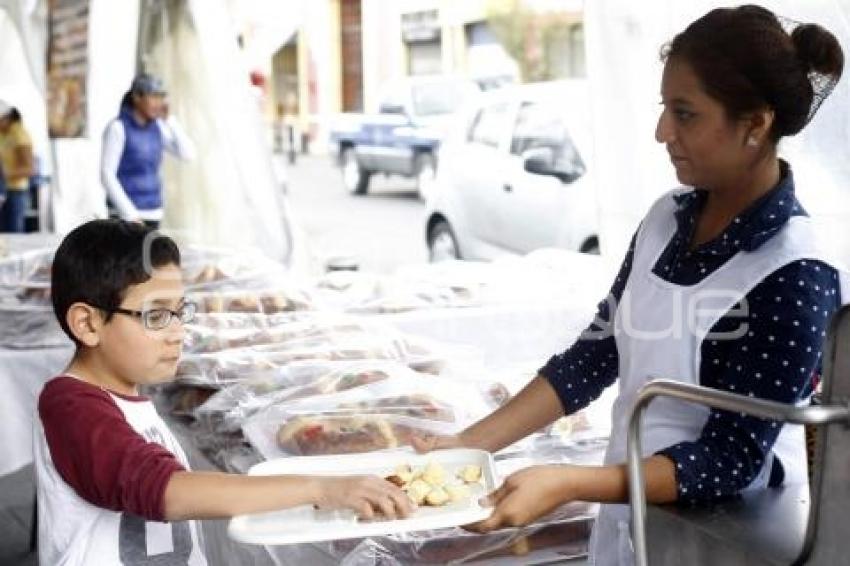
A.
pixel 777 359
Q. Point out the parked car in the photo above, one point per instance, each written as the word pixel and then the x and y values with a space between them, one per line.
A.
pixel 516 176
pixel 403 137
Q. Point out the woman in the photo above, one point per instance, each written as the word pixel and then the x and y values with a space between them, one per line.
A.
pixel 133 145
pixel 16 163
pixel 736 244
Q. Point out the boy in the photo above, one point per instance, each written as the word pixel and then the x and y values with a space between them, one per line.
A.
pixel 113 484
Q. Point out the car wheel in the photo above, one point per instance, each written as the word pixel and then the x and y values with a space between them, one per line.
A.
pixel 591 247
pixel 354 177
pixel 426 174
pixel 442 244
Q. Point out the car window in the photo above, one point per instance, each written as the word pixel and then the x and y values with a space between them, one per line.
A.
pixel 489 125
pixel 431 99
pixel 537 126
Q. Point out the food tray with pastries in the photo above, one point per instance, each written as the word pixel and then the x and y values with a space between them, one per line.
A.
pixel 237 364
pixel 377 416
pixel 215 332
pixel 446 484
pixel 265 300
pixel 207 267
pixel 232 405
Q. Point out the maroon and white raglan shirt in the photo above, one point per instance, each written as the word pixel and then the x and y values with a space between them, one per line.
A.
pixel 103 461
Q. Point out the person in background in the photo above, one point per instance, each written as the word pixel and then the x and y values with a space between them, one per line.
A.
pixel 16 159
pixel 133 144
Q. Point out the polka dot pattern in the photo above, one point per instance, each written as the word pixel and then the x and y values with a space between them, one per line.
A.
pixel 788 315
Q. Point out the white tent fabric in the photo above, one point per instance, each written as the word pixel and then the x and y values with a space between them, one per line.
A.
pixel 623 43
pixel 228 195
pixel 18 84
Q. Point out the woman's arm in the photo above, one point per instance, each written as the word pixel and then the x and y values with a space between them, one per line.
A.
pixel 110 159
pixel 535 492
pixel 533 408
pixel 175 140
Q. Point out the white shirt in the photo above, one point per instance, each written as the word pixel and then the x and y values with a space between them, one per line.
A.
pixel 174 141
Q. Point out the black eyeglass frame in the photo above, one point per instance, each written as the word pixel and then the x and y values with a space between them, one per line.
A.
pixel 185 314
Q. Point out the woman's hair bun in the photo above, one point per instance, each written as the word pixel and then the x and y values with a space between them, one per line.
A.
pixel 818 50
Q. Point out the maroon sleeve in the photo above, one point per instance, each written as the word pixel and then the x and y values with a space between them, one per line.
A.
pixel 97 452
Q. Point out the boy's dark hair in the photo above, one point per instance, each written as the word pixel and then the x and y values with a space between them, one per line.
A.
pixel 98 261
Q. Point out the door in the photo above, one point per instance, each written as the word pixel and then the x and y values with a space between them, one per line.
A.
pixel 541 210
pixel 479 174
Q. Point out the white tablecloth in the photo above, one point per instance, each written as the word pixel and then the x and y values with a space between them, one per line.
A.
pixel 22 375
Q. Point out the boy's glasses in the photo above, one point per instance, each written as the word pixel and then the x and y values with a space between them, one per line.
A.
pixel 157 319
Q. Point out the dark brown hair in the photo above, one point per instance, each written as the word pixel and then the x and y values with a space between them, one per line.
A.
pixel 98 261
pixel 746 60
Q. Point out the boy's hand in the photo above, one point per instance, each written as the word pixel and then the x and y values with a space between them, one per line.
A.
pixel 368 496
pixel 526 496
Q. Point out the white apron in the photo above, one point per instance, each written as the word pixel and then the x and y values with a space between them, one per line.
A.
pixel 660 327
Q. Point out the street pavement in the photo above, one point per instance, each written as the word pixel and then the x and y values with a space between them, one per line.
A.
pixel 381 230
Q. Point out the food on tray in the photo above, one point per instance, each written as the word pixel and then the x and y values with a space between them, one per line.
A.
pixel 417 405
pixel 432 485
pixel 341 435
pixel 208 274
pixel 269 302
pixel 470 473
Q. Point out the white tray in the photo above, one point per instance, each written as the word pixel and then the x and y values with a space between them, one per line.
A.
pixel 306 524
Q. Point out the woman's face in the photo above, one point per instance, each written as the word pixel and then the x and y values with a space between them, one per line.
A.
pixel 706 147
pixel 149 105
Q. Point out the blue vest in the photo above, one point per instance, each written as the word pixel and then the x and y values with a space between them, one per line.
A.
pixel 138 170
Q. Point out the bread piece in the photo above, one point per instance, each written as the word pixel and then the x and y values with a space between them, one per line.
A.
pixel 418 490
pixel 434 474
pixel 470 474
pixel 437 497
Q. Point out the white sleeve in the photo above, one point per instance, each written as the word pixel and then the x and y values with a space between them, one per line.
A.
pixel 110 158
pixel 174 139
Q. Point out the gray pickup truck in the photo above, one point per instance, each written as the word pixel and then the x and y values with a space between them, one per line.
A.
pixel 403 137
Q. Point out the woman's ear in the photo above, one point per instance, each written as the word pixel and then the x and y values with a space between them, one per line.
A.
pixel 758 125
pixel 85 323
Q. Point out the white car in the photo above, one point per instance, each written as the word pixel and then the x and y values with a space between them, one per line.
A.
pixel 516 176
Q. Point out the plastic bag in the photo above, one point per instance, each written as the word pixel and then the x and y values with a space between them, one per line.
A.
pixel 380 415
pixel 217 268
pixel 30 326
pixel 215 332
pixel 25 278
pixel 268 300
pixel 237 364
pixel 230 407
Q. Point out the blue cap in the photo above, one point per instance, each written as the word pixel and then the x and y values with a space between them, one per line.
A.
pixel 147 84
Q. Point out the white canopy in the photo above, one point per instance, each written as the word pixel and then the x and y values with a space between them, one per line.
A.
pixel 228 195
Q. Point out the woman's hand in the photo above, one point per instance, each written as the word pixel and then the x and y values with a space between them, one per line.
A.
pixel 525 496
pixel 368 496
pixel 428 443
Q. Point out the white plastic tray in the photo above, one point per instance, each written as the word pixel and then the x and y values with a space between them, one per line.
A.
pixel 306 524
